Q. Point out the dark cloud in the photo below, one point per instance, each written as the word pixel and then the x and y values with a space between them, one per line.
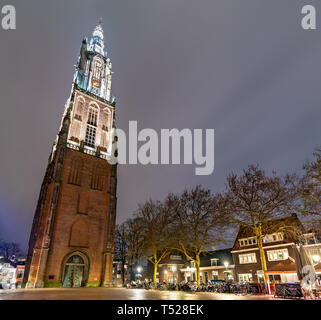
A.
pixel 245 68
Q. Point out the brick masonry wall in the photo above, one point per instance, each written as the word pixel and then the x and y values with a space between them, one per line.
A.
pixel 94 221
pixel 273 266
pixel 80 222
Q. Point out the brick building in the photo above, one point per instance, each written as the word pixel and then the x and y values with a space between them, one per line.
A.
pixel 278 249
pixel 71 241
pixel 169 269
pixel 215 265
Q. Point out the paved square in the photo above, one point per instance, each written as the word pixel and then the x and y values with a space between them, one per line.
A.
pixel 118 294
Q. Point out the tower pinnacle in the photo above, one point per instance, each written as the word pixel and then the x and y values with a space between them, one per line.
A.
pixel 97 41
pixel 94 72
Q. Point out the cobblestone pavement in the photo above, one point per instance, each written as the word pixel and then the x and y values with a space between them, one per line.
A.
pixel 118 294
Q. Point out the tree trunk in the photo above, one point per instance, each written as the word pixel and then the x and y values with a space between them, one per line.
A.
pixel 155 274
pixel 197 263
pixel 123 272
pixel 132 275
pixel 262 256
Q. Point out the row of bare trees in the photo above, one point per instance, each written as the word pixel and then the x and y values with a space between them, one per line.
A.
pixel 196 220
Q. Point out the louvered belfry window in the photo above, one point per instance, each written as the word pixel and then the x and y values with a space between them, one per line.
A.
pixel 91 128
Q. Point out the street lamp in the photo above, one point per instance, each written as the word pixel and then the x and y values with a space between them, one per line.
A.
pixel 173 272
pixel 226 264
pixel 139 270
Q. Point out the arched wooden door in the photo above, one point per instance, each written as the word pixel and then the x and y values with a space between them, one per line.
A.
pixel 75 272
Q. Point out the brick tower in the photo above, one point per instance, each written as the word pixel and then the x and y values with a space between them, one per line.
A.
pixel 71 241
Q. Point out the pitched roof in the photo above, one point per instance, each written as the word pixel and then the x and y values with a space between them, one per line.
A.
pixel 222 256
pixel 269 227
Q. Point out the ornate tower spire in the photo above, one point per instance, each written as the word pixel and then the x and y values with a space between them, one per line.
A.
pixel 94 70
pixel 97 41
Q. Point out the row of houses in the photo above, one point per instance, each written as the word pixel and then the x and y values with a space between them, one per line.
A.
pixel 242 262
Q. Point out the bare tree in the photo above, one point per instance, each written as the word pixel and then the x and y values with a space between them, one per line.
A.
pixel 121 247
pixel 9 250
pixel 310 191
pixel 199 223
pixel 155 237
pixel 135 248
pixel 253 199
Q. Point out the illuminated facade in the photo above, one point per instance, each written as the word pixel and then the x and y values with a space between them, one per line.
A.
pixel 71 242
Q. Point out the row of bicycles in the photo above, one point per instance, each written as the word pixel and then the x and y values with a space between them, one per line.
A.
pixel 219 287
pixel 286 290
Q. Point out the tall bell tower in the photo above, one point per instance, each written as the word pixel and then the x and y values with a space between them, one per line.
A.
pixel 71 241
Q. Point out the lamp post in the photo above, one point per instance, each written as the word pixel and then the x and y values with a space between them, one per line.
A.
pixel 166 277
pixel 139 270
pixel 173 272
pixel 226 264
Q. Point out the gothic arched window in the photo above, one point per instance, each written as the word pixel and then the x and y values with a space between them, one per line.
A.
pixel 75 260
pixel 92 117
pixel 97 73
pixel 91 127
pixel 79 109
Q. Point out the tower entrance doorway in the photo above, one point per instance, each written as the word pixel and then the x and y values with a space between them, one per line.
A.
pixel 75 272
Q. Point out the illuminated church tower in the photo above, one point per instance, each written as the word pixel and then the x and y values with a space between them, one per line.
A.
pixel 71 242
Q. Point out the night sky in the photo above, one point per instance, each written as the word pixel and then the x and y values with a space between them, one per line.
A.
pixel 245 68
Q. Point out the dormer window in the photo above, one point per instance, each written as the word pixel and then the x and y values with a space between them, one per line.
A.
pixel 247 242
pixel 214 262
pixel 274 237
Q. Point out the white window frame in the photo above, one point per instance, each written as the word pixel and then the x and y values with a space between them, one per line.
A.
pixel 270 237
pixel 247 258
pixel 214 264
pixel 247 241
pixel 273 255
pixel 243 276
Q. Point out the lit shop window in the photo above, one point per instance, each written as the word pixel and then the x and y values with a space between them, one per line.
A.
pixel 276 255
pixel 245 277
pixel 247 258
pixel 315 255
pixel 215 275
